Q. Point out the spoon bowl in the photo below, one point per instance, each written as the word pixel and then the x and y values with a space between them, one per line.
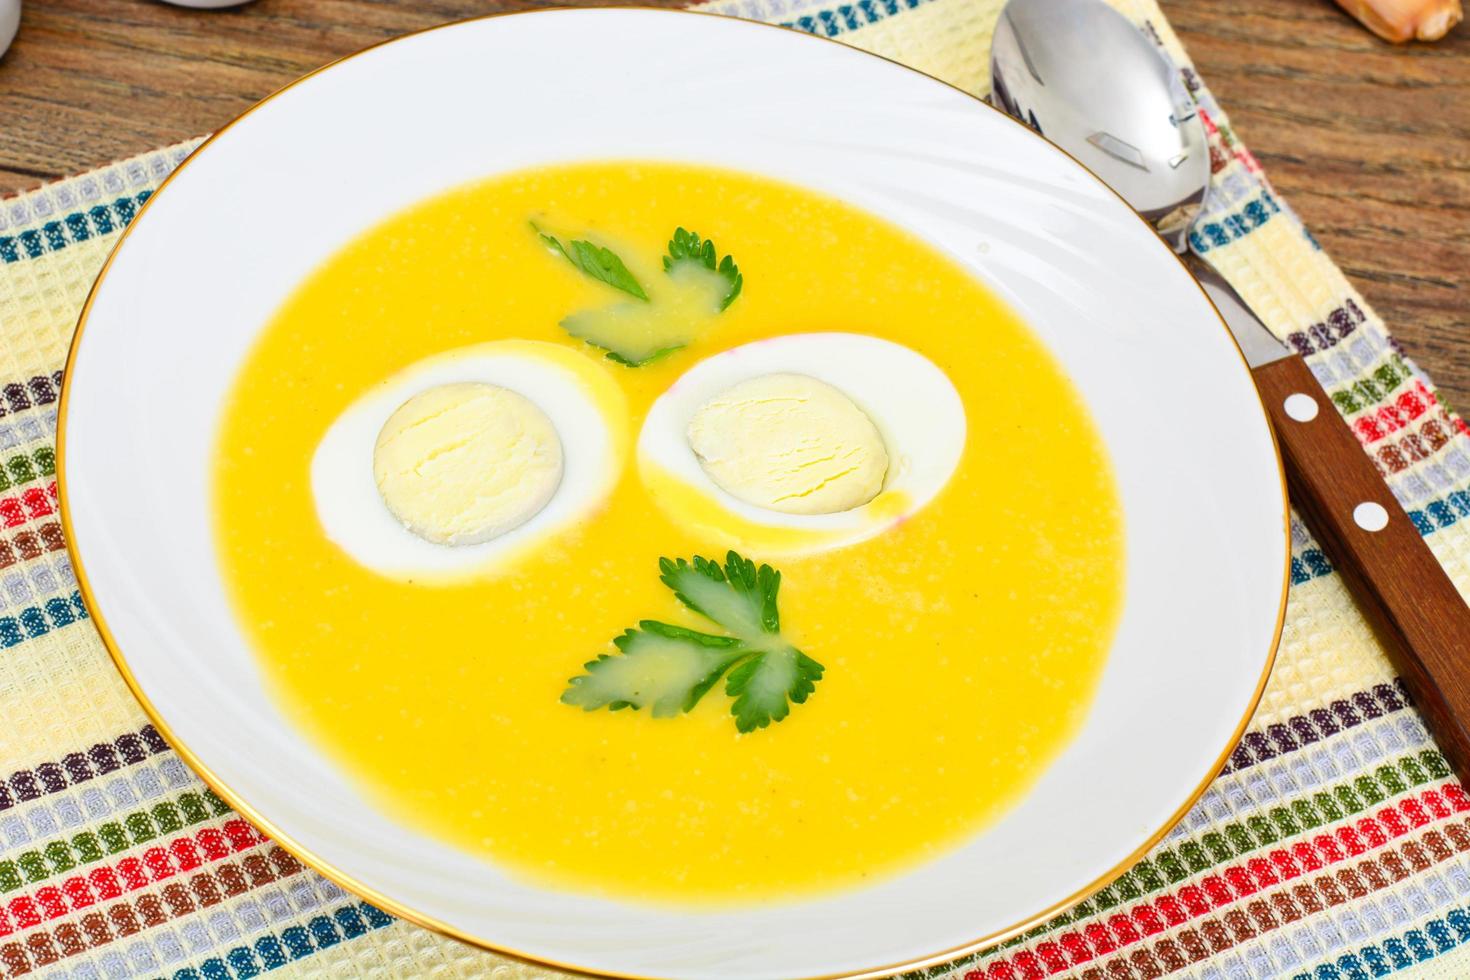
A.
pixel 1082 75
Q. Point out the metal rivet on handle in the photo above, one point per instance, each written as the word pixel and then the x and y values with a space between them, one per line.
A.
pixel 1370 516
pixel 1300 407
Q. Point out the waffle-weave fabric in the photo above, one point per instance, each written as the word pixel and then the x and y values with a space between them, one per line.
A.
pixel 1334 844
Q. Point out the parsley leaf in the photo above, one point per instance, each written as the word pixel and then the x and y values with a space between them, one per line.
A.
pixel 687 246
pixel 671 668
pixel 765 686
pixel 666 667
pixel 615 330
pixel 701 286
pixel 739 596
pixel 617 358
pixel 595 262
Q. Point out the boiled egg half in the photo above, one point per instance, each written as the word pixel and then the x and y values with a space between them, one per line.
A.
pixel 454 465
pixel 802 443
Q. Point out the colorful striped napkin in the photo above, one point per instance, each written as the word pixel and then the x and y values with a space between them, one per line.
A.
pixel 1333 846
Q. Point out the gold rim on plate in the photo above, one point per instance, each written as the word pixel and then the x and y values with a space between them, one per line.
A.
pixel 418 918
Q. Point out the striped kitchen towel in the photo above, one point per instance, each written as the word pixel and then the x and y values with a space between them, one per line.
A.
pixel 1335 845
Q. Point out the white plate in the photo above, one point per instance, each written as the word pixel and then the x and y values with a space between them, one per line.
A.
pixel 256 208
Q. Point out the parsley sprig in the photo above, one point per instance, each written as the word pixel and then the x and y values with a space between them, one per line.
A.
pixel 596 262
pixel 668 669
pixel 687 246
pixel 622 329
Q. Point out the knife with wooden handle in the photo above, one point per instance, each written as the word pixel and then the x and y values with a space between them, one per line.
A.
pixel 1417 612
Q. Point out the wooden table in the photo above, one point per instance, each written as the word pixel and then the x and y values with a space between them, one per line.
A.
pixel 1370 142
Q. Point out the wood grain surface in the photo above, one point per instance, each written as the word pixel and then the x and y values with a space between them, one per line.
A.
pixel 1369 141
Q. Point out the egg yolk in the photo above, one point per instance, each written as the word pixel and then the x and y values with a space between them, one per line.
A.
pixel 790 443
pixel 463 463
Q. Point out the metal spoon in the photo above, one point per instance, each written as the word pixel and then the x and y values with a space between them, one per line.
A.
pixel 1083 76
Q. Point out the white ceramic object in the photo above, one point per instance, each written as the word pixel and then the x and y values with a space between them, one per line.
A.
pixel 9 23
pixel 263 202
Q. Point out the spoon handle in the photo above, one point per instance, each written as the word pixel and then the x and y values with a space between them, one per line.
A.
pixel 1418 613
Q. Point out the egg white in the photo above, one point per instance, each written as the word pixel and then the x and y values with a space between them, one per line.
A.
pixel 584 404
pixel 911 401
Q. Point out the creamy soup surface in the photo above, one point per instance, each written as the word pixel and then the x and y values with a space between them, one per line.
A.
pixel 960 645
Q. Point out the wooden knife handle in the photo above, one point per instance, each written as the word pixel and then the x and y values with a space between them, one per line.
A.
pixel 1418 613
